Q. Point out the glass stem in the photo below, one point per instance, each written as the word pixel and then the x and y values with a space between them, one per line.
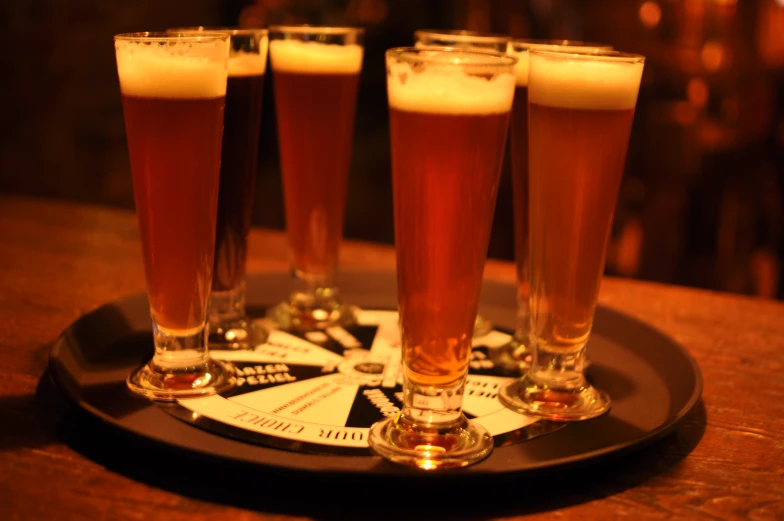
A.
pixel 313 291
pixel 180 350
pixel 433 406
pixel 560 368
pixel 227 305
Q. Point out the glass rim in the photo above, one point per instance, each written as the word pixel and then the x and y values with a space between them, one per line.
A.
pixel 524 44
pixel 589 54
pixel 316 29
pixel 465 35
pixel 232 31
pixel 418 54
pixel 160 36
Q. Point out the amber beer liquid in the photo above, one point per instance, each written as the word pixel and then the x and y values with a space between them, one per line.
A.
pixel 446 163
pixel 174 131
pixel 580 119
pixel 244 90
pixel 519 143
pixel 315 94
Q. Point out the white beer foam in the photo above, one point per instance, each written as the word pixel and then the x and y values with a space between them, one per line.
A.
pixel 523 56
pixel 446 89
pixel 573 83
pixel 183 70
pixel 247 63
pixel 315 57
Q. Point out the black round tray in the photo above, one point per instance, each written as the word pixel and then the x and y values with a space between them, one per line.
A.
pixel 653 382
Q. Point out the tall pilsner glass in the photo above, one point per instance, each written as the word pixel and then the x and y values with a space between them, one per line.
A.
pixel 470 40
pixel 449 116
pixel 515 356
pixel 580 111
pixel 230 327
pixel 316 76
pixel 173 92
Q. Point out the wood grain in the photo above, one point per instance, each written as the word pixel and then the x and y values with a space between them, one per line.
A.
pixel 61 260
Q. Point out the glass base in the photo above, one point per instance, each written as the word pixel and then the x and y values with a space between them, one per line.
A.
pixel 529 396
pixel 170 384
pixel 303 314
pixel 230 327
pixel 403 441
pixel 512 358
pixel 238 334
pixel 482 326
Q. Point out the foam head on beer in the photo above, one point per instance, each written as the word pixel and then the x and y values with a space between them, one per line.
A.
pixel 248 49
pixel 603 81
pixel 297 56
pixel 247 64
pixel 173 67
pixel 520 49
pixel 429 82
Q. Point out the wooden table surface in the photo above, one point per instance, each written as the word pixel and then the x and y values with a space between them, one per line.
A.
pixel 59 261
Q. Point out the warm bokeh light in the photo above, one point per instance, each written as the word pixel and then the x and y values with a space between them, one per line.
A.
pixel 697 91
pixel 770 33
pixel 713 55
pixel 650 14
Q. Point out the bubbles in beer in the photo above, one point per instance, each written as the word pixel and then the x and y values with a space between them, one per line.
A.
pixel 442 88
pixel 185 69
pixel 315 57
pixel 604 83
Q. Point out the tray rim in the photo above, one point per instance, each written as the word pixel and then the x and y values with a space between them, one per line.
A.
pixel 386 470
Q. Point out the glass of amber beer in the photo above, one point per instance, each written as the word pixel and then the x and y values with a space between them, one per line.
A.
pixel 515 356
pixel 230 327
pixel 464 40
pixel 449 116
pixel 316 76
pixel 173 93
pixel 580 111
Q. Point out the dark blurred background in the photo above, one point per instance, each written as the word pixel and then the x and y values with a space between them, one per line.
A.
pixel 701 203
